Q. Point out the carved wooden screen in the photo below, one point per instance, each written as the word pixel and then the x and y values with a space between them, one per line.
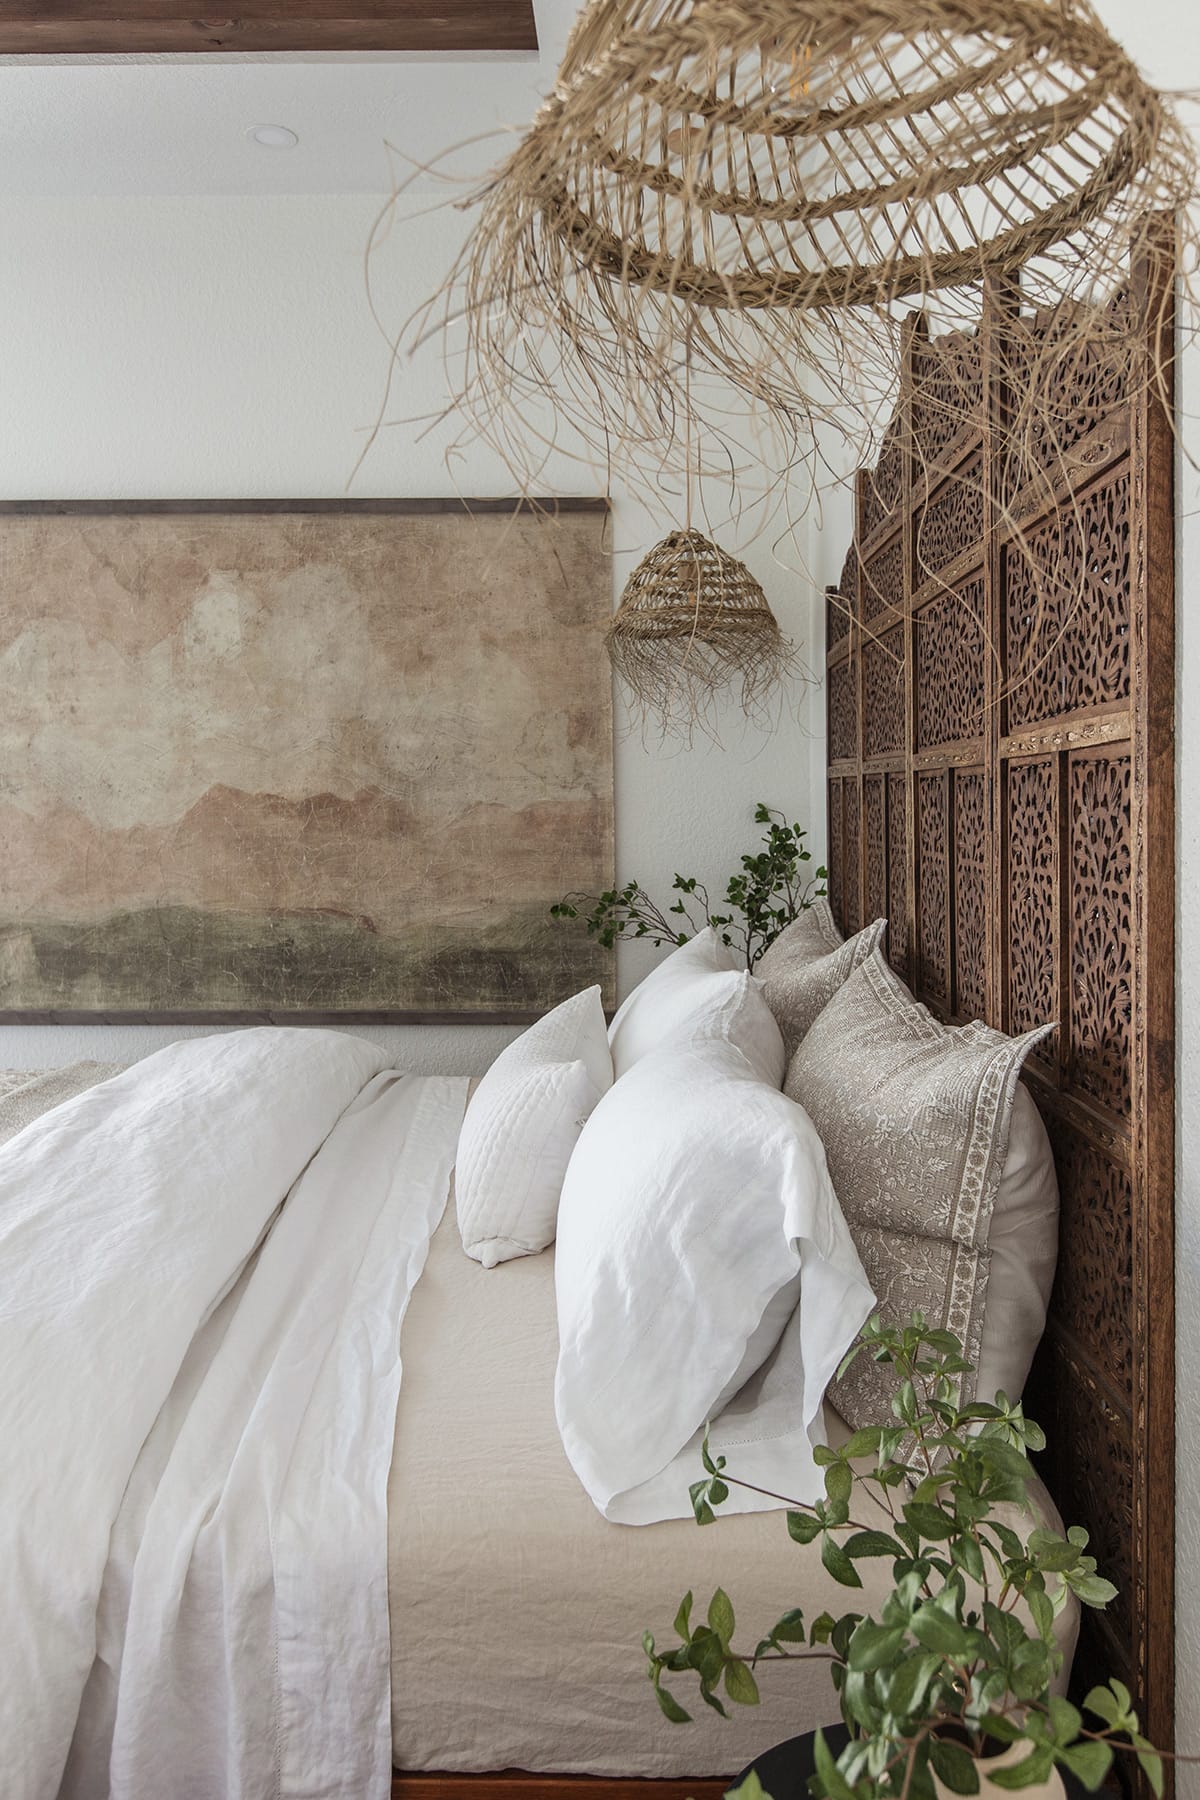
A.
pixel 1001 788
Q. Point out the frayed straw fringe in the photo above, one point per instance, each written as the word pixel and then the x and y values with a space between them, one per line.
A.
pixel 746 191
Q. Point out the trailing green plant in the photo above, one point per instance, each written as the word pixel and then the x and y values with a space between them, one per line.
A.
pixel 962 1658
pixel 772 888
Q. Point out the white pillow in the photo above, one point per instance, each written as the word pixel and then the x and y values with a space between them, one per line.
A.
pixel 521 1127
pixel 703 982
pixel 697 1192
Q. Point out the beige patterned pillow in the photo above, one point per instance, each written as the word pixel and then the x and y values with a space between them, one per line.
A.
pixel 814 933
pixel 798 983
pixel 914 1116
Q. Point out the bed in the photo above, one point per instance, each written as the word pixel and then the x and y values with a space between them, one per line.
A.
pixel 1018 869
pixel 516 1609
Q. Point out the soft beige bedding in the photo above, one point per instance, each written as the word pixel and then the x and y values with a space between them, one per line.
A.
pixel 517 1611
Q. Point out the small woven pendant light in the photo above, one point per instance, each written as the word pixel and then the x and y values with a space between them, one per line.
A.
pixel 691 621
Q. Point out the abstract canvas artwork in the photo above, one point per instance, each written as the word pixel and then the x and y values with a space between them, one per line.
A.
pixel 303 759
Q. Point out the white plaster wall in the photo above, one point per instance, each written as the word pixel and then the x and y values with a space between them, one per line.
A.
pixel 157 347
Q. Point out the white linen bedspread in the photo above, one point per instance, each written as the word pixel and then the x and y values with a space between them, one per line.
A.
pixel 196 1401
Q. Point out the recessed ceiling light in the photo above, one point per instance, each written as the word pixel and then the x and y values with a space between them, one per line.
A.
pixel 273 137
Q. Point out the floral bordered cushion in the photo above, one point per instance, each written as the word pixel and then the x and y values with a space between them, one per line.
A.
pixel 915 1117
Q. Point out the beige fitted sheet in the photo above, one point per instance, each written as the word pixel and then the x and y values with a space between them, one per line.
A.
pixel 517 1610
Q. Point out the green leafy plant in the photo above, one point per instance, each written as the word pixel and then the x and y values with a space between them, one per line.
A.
pixel 962 1658
pixel 772 888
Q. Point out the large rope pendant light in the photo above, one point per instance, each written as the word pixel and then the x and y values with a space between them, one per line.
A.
pixel 766 180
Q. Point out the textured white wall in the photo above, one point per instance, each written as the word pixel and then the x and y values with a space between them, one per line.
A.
pixel 223 347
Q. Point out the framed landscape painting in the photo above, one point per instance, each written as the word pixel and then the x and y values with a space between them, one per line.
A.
pixel 301 760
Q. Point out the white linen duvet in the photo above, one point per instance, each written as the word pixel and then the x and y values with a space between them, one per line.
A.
pixel 204 1263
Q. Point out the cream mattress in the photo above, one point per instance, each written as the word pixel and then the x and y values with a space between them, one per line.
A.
pixel 517 1611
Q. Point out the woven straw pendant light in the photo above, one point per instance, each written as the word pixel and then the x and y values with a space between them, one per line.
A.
pixel 691 621
pixel 766 180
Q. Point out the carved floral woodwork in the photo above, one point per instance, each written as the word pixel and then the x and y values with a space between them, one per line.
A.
pixel 1013 653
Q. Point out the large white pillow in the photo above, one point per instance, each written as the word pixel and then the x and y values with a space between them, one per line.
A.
pixel 697 1192
pixel 702 982
pixel 521 1127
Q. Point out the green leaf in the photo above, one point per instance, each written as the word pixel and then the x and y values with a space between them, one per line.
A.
pixel 740 1684
pixel 937 1630
pixel 1065 1719
pixel 839 1483
pixel 749 1789
pixel 683 1627
pixel 790 1629
pixel 1152 1769
pixel 833 1783
pixel 863 1443
pixel 999 1725
pixel 710 1699
pixel 1090 1762
pixel 1030 1770
pixel 873 1646
pixel 1041 1611
pixel 1006 1632
pixel 706 1653
pixel 1052 1553
pixel 802 1527
pixel 871 1543
pixel 910 1682
pixel 720 1616
pixel 1093 1590
pixel 965 1552
pixel 930 1521
pixel 954 1766
pixel 671 1707
pixel 698 1492
pixel 838 1563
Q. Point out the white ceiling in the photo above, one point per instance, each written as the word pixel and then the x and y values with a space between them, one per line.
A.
pixel 178 125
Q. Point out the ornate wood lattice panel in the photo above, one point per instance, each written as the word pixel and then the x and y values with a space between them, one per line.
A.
pixel 1001 733
pixel 950 523
pixel 883 693
pixel 950 653
pixel 1062 657
pixel 883 579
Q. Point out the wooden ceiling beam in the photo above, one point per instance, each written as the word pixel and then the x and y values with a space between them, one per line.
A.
pixel 157 27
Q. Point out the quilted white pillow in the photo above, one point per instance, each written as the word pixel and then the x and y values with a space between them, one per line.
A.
pixel 521 1127
pixel 703 983
pixel 697 1192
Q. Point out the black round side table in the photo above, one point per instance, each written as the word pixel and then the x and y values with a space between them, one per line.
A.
pixel 784 1771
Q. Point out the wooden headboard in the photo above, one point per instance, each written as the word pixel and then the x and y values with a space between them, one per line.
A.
pixel 1000 684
